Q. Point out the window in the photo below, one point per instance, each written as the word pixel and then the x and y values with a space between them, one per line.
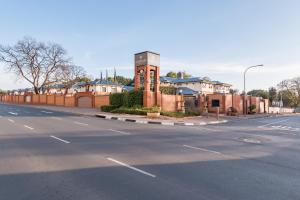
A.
pixel 114 90
pixel 104 89
pixel 215 103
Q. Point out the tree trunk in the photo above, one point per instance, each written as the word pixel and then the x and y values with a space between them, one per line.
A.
pixel 36 90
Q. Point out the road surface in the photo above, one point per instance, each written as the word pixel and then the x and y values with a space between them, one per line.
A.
pixel 54 155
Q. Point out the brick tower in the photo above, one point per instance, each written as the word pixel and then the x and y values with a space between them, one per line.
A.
pixel 147 76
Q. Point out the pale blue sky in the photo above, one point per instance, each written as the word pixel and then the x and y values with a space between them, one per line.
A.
pixel 215 38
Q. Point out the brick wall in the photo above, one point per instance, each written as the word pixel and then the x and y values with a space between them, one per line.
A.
pixel 70 101
pixel 35 99
pixel 59 100
pixel 51 99
pixel 43 99
pixel 101 100
pixel 171 103
pixel 21 99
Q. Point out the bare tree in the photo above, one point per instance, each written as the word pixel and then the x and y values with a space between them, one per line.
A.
pixel 70 74
pixel 35 62
pixel 292 89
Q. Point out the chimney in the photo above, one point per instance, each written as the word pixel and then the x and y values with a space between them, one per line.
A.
pixel 180 75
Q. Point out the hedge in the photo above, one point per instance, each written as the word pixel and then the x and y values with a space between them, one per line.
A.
pixel 127 99
pixel 168 90
pixel 108 108
pixel 136 110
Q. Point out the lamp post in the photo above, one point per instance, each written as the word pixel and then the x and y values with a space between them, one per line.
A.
pixel 246 70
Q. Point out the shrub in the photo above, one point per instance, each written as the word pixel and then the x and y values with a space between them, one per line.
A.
pixel 173 114
pixel 154 109
pixel 127 99
pixel 117 99
pixel 135 98
pixel 108 108
pixel 135 111
pixel 180 114
pixel 168 90
pixel 252 107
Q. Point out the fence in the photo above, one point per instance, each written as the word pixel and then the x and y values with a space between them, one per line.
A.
pixel 281 110
pixel 85 99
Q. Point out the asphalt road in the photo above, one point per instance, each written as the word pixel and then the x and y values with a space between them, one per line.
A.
pixel 52 155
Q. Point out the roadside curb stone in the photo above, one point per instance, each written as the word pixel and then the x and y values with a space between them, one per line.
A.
pixel 160 122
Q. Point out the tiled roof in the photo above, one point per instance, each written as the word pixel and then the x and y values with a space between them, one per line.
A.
pixel 186 91
pixel 188 80
pixel 128 88
pixel 103 82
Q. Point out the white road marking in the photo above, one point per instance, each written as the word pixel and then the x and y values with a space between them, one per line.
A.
pixel 202 149
pixel 65 141
pixel 131 167
pixel 122 132
pixel 253 141
pixel 273 123
pixel 12 121
pixel 28 127
pixel 13 113
pixel 47 112
pixel 79 123
pixel 58 118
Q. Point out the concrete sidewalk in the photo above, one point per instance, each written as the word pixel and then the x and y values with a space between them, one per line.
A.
pixel 163 120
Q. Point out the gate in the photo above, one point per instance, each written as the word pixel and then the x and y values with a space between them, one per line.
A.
pixel 85 102
pixel 191 104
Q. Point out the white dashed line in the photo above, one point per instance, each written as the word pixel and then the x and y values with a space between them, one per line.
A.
pixel 64 141
pixel 79 123
pixel 202 149
pixel 47 112
pixel 13 113
pixel 12 121
pixel 28 127
pixel 122 132
pixel 131 167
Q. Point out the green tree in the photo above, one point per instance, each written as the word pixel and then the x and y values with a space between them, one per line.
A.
pixel 2 92
pixel 186 75
pixel 259 93
pixel 171 74
pixel 121 80
pixel 272 94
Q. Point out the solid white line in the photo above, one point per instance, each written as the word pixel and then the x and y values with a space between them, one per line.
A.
pixel 122 132
pixel 79 123
pixel 47 112
pixel 131 167
pixel 28 127
pixel 12 121
pixel 65 141
pixel 12 113
pixel 273 123
pixel 206 150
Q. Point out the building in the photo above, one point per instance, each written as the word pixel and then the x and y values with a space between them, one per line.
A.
pixel 196 84
pixel 104 87
pixel 56 89
pixel 97 86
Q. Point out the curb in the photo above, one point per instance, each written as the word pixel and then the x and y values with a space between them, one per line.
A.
pixel 160 122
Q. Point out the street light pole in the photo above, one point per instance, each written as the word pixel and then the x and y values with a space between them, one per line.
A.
pixel 246 70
